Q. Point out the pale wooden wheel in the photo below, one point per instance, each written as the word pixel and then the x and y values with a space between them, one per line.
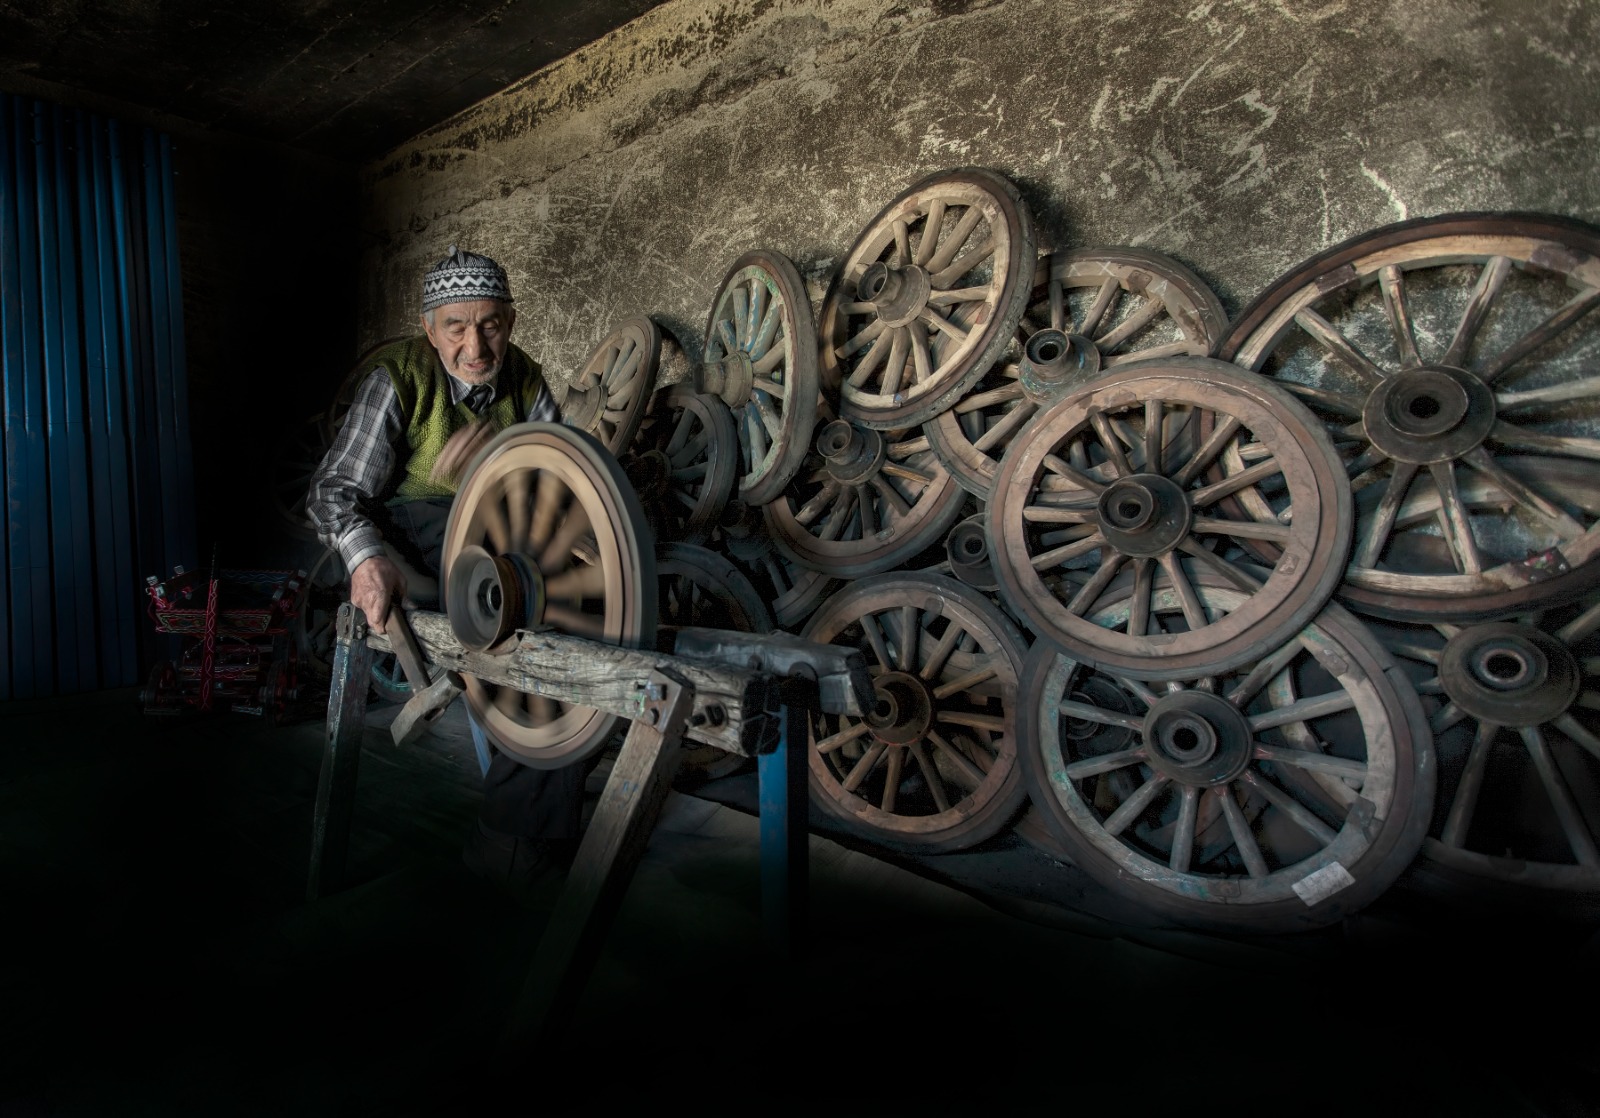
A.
pixel 609 395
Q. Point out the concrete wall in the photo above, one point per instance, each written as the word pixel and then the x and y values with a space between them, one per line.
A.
pixel 1237 135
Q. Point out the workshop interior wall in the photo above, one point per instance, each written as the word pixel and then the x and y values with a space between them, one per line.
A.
pixel 1240 136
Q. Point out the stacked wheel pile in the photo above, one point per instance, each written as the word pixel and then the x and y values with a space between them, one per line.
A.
pixel 1255 614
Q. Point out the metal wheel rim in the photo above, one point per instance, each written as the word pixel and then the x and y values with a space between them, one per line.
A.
pixel 1424 311
pixel 761 296
pixel 620 375
pixel 1314 543
pixel 890 374
pixel 1292 877
pixel 1178 315
pixel 970 731
pixel 544 467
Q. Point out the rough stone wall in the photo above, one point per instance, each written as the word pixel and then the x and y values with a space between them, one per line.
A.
pixel 1238 135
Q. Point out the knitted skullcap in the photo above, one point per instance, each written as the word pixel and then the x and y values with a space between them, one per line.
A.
pixel 462 277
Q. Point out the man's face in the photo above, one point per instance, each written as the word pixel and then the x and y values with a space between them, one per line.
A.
pixel 471 337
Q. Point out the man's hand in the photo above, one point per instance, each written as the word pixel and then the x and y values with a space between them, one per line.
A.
pixel 462 448
pixel 374 585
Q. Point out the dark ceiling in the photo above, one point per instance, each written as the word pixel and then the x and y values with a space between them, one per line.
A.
pixel 347 79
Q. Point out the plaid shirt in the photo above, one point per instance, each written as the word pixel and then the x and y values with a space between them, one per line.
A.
pixel 359 464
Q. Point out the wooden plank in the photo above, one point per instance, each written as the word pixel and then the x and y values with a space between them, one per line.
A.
pixel 727 703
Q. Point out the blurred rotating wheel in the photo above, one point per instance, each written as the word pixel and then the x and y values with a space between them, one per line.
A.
pixel 545 530
pixel 760 358
pixel 927 298
pixel 1515 709
pixel 1279 796
pixel 609 396
pixel 1073 509
pixel 933 766
pixel 1453 359
pixel 1091 311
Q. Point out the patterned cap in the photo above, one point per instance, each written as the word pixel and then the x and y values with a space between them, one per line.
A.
pixel 462 277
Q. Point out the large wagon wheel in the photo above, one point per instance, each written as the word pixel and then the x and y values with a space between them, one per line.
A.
pixel 927 298
pixel 697 587
pixel 609 396
pixel 683 463
pixel 868 502
pixel 1453 358
pixel 545 531
pixel 1513 707
pixel 933 765
pixel 1061 534
pixel 1281 796
pixel 1091 310
pixel 794 592
pixel 761 358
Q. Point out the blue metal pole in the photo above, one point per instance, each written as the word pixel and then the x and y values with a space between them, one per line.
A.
pixel 785 861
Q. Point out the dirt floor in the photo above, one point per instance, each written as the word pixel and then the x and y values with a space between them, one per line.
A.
pixel 161 960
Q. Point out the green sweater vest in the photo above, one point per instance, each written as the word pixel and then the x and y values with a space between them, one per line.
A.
pixel 431 418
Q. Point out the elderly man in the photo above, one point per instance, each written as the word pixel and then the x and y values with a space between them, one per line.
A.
pixel 382 500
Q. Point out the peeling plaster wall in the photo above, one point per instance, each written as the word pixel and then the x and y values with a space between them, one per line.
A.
pixel 1238 135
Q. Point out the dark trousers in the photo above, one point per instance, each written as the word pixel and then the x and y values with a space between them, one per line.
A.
pixel 517 800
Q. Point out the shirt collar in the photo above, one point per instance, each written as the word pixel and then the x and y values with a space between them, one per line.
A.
pixel 460 389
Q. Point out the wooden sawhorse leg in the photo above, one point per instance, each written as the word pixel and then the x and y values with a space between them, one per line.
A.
pixel 341 754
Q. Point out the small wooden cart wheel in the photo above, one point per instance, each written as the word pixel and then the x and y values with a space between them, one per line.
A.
pixel 1063 531
pixel 1513 705
pixel 927 298
pixel 1283 795
pixel 546 531
pixel 1453 358
pixel 760 358
pixel 683 464
pixel 1092 310
pixel 933 765
pixel 608 397
pixel 868 501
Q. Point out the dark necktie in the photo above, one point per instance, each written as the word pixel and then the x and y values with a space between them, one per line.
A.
pixel 479 397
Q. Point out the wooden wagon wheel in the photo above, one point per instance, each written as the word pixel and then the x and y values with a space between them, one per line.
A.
pixel 609 396
pixel 794 592
pixel 867 502
pixel 1061 534
pixel 1091 310
pixel 760 357
pixel 545 531
pixel 927 298
pixel 933 766
pixel 1283 795
pixel 1513 708
pixel 1452 357
pixel 698 587
pixel 683 464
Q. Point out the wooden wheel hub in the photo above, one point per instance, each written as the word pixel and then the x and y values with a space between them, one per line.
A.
pixel 968 548
pixel 492 596
pixel 898 295
pixel 1427 415
pixel 1054 361
pixel 583 406
pixel 902 708
pixel 853 453
pixel 1509 675
pixel 1197 738
pixel 730 378
pixel 1144 515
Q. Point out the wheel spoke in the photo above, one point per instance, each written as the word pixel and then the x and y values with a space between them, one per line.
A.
pixel 1303 710
pixel 1350 406
pixel 1109 762
pixel 1208 451
pixel 1062 554
pixel 549 497
pixel 1153 436
pixel 1394 304
pixel 558 553
pixel 1143 592
pixel 877 353
pixel 1375 533
pixel 1097 309
pixel 1483 296
pixel 575 622
pixel 1264 672
pixel 910 637
pixel 969 772
pixel 1250 475
pixel 1131 325
pixel 1458 823
pixel 1241 529
pixel 1566 808
pixel 1255 865
pixel 1482 461
pixel 1311 762
pixel 967 682
pixel 930 233
pixel 1110 443
pixel 930 776
pixel 1574 309
pixel 894 371
pixel 1455 513
pixel 1574 729
pixel 1097 714
pixel 1338 345
pixel 1090 591
pixel 1193 612
pixel 1584 388
pixel 957 238
pixel 1134 806
pixel 1062 468
pixel 863 768
pixel 1516 438
pixel 969 260
pixel 1291 807
pixel 874 634
pixel 1581 626
pixel 1183 834
pixel 940 653
pixel 891 780
pixel 581 581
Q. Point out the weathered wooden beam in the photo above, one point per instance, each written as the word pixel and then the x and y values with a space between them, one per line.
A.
pixel 731 706
pixel 341 754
